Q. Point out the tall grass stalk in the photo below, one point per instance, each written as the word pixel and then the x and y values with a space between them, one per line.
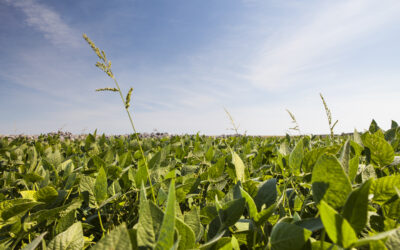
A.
pixel 234 127
pixel 105 65
pixel 329 116
pixel 294 121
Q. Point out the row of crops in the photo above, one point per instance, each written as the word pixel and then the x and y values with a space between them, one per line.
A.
pixel 240 192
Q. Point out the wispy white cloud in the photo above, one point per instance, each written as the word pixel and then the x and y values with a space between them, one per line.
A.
pixel 316 40
pixel 47 21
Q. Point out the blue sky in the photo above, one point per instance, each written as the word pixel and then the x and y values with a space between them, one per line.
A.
pixel 187 60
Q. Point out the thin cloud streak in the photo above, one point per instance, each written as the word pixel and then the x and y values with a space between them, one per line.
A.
pixel 317 42
pixel 48 22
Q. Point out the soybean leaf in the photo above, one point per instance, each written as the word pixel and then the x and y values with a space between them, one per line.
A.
pixel 384 188
pixel 35 242
pixel 155 160
pixel 86 187
pixel 250 203
pixel 382 153
pixel 16 207
pixel 166 236
pixel 329 182
pixel 187 237
pixel 286 236
pixel 376 237
pixel 141 174
pixel 117 239
pixel 266 194
pixel 393 241
pixel 100 186
pixel 239 167
pixel 65 222
pixel 296 157
pixel 338 228
pixel 192 219
pixel 355 210
pixel 70 239
pixel 145 231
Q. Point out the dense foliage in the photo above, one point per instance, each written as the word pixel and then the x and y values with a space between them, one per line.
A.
pixel 305 192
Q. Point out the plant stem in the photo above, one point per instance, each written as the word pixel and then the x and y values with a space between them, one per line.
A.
pixel 101 223
pixel 138 139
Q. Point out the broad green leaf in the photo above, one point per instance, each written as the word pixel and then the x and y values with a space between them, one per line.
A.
pixel 232 211
pixel 46 194
pixel 28 194
pixel 117 239
pixel 338 228
pixel 86 187
pixel 312 224
pixel 355 210
pixel 391 209
pixel 382 153
pixel 393 241
pixel 353 167
pixel 266 194
pixel 264 215
pixel 329 181
pixel 155 160
pixel 141 174
pixel 187 237
pixel 214 240
pixel 228 215
pixel 100 186
pixel 165 238
pixel 35 242
pixel 250 203
pixel 227 243
pixel 376 237
pixel 16 207
pixel 65 222
pixel 286 236
pixel 71 239
pixel 384 188
pixel 239 167
pixel 192 219
pixel 316 245
pixel 145 231
pixel 296 157
pixel 311 157
pixel 373 127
